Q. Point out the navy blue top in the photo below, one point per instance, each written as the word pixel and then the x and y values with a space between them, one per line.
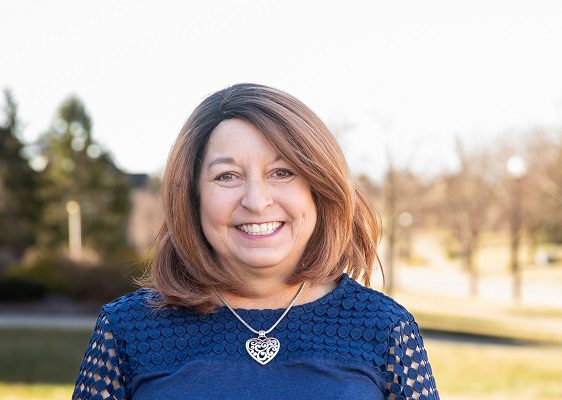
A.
pixel 353 343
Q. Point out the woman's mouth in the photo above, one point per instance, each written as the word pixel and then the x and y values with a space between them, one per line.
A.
pixel 263 229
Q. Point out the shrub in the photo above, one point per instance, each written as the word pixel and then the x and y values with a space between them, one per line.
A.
pixel 79 281
pixel 20 289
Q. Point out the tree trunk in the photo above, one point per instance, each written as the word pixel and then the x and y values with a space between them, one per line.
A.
pixel 390 259
pixel 472 273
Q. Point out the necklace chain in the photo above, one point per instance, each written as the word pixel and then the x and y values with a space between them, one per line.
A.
pixel 261 333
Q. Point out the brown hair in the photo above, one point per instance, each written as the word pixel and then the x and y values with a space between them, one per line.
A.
pixel 184 269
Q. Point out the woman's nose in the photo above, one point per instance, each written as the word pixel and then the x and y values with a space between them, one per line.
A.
pixel 256 196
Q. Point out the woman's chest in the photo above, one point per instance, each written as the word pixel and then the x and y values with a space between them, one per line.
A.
pixel 295 379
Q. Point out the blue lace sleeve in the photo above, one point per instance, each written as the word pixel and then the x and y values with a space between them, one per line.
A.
pixel 100 375
pixel 408 373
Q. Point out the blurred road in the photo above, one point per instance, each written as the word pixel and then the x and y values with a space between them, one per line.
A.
pixel 47 321
pixel 542 287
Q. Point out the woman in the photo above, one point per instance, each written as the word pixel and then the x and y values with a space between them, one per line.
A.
pixel 247 296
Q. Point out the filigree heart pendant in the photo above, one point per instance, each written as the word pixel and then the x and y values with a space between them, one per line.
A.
pixel 262 349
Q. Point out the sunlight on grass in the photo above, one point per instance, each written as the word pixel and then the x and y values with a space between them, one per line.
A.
pixel 15 391
pixel 523 330
pixel 492 371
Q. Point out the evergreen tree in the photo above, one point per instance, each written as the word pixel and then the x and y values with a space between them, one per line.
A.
pixel 19 205
pixel 78 169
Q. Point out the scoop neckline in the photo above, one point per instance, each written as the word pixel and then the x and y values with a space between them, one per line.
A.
pixel 343 280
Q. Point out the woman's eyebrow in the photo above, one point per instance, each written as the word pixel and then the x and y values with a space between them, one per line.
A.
pixel 221 160
pixel 230 160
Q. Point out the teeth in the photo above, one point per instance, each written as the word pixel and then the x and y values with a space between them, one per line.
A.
pixel 261 229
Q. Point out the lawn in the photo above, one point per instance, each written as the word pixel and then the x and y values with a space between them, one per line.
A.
pixel 13 391
pixel 496 371
pixel 41 355
pixel 492 326
pixel 42 364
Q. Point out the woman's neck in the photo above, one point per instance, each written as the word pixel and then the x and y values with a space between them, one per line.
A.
pixel 271 291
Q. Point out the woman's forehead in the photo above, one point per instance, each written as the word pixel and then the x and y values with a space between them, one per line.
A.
pixel 235 140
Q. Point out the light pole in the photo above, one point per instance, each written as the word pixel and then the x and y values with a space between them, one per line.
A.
pixel 74 229
pixel 516 168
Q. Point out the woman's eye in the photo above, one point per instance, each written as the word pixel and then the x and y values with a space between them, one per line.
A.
pixel 225 177
pixel 283 173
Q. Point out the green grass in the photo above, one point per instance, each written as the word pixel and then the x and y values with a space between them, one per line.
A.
pixel 466 370
pixel 41 355
pixel 42 364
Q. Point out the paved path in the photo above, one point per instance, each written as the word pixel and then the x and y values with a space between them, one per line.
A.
pixel 47 321
pixel 540 287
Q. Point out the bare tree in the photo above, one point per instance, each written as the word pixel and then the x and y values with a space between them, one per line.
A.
pixel 543 187
pixel 465 205
pixel 400 200
pixel 532 194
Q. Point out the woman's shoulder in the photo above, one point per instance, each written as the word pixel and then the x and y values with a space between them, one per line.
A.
pixel 136 305
pixel 137 299
pixel 365 298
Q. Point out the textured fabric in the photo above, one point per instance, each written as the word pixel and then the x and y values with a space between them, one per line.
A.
pixel 353 343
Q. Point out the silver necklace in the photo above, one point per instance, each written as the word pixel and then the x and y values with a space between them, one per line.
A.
pixel 262 349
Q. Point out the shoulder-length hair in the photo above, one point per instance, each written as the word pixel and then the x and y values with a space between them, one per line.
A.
pixel 184 269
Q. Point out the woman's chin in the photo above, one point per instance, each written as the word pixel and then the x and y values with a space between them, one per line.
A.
pixel 264 263
pixel 261 264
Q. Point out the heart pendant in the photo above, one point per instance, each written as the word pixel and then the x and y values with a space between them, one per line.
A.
pixel 262 349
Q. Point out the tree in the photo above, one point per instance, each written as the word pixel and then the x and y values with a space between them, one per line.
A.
pixel 543 187
pixel 533 193
pixel 78 169
pixel 466 205
pixel 400 198
pixel 19 205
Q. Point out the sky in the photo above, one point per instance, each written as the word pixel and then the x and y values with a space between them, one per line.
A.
pixel 402 78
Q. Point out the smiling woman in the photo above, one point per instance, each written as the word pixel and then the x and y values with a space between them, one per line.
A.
pixel 253 289
pixel 225 143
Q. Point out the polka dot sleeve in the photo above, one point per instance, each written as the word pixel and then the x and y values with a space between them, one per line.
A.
pixel 100 375
pixel 408 373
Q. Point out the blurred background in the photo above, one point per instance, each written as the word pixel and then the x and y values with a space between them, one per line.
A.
pixel 449 113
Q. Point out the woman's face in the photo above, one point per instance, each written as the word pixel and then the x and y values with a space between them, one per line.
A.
pixel 255 211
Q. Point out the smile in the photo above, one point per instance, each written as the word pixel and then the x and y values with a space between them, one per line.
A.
pixel 266 228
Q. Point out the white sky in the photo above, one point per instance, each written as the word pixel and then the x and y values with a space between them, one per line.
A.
pixel 403 75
